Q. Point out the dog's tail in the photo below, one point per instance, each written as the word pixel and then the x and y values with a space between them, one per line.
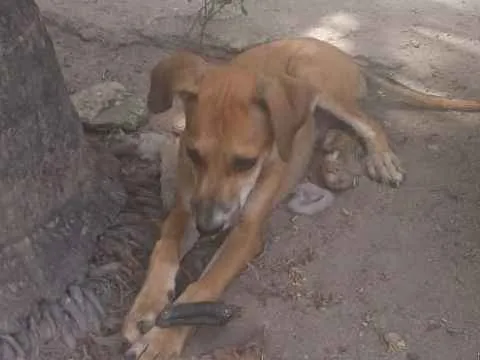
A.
pixel 418 99
pixel 410 96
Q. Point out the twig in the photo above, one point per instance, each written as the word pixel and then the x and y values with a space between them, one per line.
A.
pixel 208 10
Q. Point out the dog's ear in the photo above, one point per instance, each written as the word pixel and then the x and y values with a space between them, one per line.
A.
pixel 178 74
pixel 288 103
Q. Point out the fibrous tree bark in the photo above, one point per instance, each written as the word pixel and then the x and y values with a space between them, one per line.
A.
pixel 56 194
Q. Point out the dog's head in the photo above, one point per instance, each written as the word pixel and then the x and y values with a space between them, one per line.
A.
pixel 237 123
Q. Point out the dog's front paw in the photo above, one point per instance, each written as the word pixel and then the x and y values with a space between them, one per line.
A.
pixel 138 323
pixel 148 304
pixel 154 295
pixel 159 344
pixel 385 167
pixel 142 315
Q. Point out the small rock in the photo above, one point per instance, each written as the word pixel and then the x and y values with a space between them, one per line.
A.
pixel 90 102
pixel 127 114
pixel 310 199
pixel 394 342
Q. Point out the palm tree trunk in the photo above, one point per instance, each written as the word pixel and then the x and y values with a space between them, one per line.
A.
pixel 54 199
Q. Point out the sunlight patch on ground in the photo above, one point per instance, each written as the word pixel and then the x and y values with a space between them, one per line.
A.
pixel 334 28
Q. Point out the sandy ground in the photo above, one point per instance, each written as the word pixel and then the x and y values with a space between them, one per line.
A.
pixel 404 260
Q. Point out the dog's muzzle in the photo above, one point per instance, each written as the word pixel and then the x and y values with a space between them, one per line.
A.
pixel 211 217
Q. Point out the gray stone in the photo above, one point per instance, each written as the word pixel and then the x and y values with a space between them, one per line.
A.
pixel 90 102
pixel 57 193
pixel 309 199
pixel 128 114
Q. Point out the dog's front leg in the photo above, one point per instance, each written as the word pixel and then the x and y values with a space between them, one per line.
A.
pixel 160 279
pixel 240 247
pixel 242 244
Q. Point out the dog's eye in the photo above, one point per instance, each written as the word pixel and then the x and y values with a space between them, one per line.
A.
pixel 243 164
pixel 195 156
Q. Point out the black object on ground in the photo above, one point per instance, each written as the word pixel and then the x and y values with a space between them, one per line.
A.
pixel 191 268
pixel 197 314
pixel 195 261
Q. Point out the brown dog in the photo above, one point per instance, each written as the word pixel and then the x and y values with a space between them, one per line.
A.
pixel 248 139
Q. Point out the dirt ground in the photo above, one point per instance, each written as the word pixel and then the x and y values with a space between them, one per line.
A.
pixel 401 260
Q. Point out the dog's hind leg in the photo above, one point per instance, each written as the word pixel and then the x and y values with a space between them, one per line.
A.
pixel 339 95
pixel 381 162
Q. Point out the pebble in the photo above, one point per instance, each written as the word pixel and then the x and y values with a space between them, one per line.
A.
pixel 309 199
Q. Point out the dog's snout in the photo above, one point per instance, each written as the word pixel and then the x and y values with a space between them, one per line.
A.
pixel 210 217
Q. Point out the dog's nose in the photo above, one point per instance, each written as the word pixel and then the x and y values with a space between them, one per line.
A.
pixel 210 224
pixel 210 218
pixel 206 231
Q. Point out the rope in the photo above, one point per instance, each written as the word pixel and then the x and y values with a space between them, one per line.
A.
pixel 80 311
pixel 69 318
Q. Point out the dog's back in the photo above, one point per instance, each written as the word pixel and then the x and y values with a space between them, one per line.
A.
pixel 313 61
